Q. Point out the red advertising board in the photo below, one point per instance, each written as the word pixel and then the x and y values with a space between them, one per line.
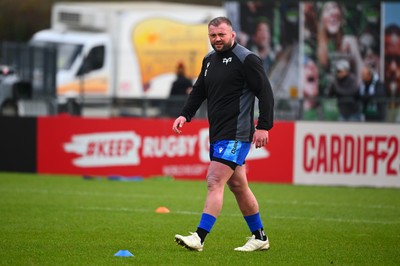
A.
pixel 146 147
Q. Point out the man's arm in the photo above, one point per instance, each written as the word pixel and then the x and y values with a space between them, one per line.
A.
pixel 195 99
pixel 193 103
pixel 258 82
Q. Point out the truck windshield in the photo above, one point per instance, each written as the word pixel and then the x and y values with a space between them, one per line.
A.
pixel 66 52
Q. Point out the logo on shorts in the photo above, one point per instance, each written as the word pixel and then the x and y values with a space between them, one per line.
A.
pixel 220 150
pixel 233 151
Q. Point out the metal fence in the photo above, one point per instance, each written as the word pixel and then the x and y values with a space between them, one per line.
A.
pixel 38 65
pixel 325 109
pixel 34 65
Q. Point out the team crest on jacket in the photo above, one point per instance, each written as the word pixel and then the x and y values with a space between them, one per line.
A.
pixel 226 60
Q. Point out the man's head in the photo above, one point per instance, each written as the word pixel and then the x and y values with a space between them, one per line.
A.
pixel 342 68
pixel 392 59
pixel 367 75
pixel 262 33
pixel 331 17
pixel 221 34
pixel 180 69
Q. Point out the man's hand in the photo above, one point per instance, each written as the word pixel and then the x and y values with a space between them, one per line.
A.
pixel 260 138
pixel 178 124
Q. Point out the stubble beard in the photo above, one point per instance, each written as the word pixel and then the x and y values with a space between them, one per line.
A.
pixel 225 47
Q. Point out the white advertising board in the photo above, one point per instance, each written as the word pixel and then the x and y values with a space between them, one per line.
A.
pixel 350 154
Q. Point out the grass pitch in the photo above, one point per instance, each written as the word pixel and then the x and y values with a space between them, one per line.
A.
pixel 60 220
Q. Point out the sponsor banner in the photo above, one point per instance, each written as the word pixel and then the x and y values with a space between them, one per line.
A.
pixel 145 147
pixel 351 154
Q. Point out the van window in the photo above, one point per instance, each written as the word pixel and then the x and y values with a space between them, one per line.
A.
pixel 93 61
pixel 66 52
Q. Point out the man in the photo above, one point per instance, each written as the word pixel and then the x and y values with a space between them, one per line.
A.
pixel 346 89
pixel 180 89
pixel 392 60
pixel 261 44
pixel 230 78
pixel 182 85
pixel 372 93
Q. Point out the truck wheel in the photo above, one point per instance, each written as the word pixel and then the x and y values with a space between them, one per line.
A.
pixel 9 108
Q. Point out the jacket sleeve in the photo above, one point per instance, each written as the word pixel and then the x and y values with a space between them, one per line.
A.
pixel 258 82
pixel 196 97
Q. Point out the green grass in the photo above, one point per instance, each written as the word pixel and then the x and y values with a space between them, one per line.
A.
pixel 59 220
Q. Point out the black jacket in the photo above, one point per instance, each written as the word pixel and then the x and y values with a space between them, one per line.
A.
pixel 229 81
pixel 180 86
pixel 347 92
pixel 373 96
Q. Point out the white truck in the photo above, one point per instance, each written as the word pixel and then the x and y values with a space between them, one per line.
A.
pixel 125 49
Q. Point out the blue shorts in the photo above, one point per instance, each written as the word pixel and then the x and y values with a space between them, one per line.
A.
pixel 229 152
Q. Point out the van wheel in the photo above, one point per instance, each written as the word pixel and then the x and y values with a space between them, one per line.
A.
pixel 9 108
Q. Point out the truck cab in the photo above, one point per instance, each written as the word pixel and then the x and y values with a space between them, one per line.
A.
pixel 83 62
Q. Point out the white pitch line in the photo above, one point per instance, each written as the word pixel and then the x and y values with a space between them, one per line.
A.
pixel 313 203
pixel 337 220
pixel 133 195
pixel 85 193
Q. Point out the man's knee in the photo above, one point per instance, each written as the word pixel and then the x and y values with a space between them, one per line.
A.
pixel 236 186
pixel 213 181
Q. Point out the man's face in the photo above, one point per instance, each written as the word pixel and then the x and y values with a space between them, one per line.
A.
pixel 262 36
pixel 392 63
pixel 221 37
pixel 311 79
pixel 341 74
pixel 331 17
pixel 366 76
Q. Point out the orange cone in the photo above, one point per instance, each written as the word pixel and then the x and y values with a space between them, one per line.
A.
pixel 162 209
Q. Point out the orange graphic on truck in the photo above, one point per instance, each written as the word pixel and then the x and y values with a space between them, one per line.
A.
pixel 161 43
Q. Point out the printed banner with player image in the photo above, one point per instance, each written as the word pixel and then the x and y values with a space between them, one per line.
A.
pixel 336 36
pixel 270 29
pixel 392 58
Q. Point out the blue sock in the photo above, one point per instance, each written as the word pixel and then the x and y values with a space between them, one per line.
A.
pixel 254 221
pixel 207 222
pixel 255 226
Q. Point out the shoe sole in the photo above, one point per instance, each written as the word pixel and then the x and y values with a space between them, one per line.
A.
pixel 264 248
pixel 181 243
